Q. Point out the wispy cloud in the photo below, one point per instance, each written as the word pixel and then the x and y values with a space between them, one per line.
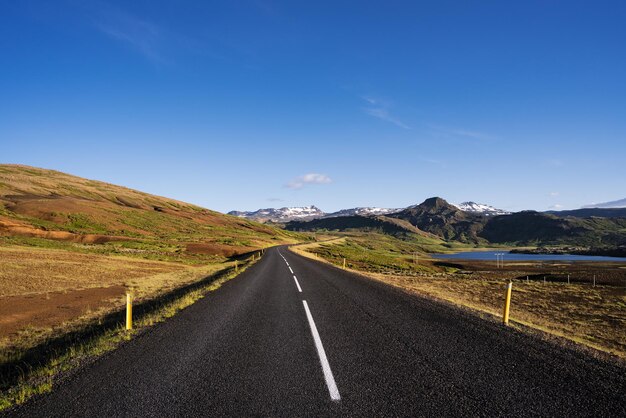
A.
pixel 307 179
pixel 141 35
pixel 556 206
pixel 275 199
pixel 379 108
pixel 463 133
pixel 554 194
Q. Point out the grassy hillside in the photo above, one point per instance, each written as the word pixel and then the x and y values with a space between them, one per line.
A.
pixel 383 224
pixel 70 249
pixel 530 227
pixel 48 208
pixel 378 251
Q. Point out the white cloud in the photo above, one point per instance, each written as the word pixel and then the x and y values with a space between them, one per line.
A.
pixel 380 109
pixel 141 35
pixel 467 133
pixel 557 206
pixel 310 178
pixel 383 114
pixel 554 194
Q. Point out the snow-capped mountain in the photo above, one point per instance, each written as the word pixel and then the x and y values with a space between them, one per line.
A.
pixel 362 211
pixel 307 213
pixel 285 214
pixel 608 205
pixel 481 209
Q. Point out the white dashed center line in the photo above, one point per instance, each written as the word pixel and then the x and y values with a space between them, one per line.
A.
pixel 328 374
pixel 297 284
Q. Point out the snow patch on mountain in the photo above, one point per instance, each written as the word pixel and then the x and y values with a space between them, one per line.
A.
pixel 362 211
pixel 285 214
pixel 480 208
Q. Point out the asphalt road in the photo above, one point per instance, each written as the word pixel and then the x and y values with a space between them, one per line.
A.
pixel 250 348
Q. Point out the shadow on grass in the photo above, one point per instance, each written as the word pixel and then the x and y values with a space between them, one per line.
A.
pixel 22 364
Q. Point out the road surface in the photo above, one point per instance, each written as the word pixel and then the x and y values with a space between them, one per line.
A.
pixel 295 337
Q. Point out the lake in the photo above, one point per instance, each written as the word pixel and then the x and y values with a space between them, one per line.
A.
pixel 491 255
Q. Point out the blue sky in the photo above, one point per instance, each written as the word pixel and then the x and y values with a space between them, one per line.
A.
pixel 249 104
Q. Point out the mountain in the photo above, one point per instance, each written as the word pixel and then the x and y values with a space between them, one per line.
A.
pixel 592 212
pixel 443 219
pixel 607 205
pixel 383 224
pixel 481 209
pixel 285 214
pixel 530 227
pixel 361 211
pixel 37 203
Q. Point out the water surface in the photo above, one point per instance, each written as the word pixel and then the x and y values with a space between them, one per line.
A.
pixel 491 255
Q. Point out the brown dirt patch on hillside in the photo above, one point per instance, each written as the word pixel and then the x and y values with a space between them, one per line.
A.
pixel 217 249
pixel 52 309
pixel 12 228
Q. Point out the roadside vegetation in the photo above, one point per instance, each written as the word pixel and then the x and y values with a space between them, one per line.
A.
pixel 594 316
pixel 34 359
pixel 377 252
pixel 70 249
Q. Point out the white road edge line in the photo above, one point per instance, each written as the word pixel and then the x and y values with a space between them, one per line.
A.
pixel 328 374
pixel 297 284
pixel 290 270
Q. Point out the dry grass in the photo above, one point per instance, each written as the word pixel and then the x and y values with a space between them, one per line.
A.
pixel 593 316
pixel 47 292
pixel 40 366
pixel 26 271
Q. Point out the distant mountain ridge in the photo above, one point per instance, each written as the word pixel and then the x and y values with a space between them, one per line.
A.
pixel 608 205
pixel 284 214
pixel 362 211
pixel 438 217
pixel 592 212
pixel 287 214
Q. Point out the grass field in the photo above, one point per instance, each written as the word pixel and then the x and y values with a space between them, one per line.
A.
pixel 580 312
pixel 69 308
pixel 70 249
pixel 378 252
pixel 46 292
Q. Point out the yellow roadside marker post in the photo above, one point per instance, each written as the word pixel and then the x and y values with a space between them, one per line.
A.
pixel 344 263
pixel 507 304
pixel 129 311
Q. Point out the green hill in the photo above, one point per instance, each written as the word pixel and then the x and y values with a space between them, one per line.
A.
pixel 38 206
